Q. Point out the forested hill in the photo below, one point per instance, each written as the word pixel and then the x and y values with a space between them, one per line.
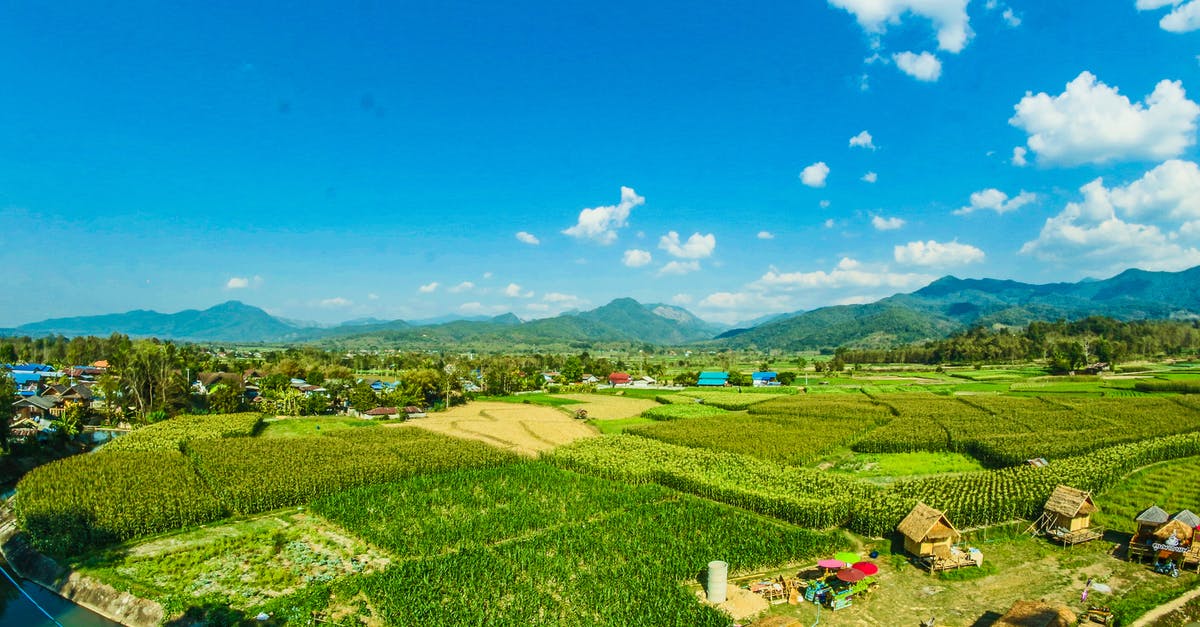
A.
pixel 950 304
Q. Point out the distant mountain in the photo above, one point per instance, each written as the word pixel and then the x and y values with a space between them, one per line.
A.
pixel 232 321
pixel 622 321
pixel 951 304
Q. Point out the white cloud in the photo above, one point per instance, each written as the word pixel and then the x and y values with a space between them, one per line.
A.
pixel 886 224
pixel 514 291
pixel 1149 223
pixel 766 235
pixel 487 275
pixel 1091 122
pixel 527 238
pixel 923 67
pixel 476 308
pixel 814 175
pixel 679 267
pixel 829 223
pixel 992 199
pixel 949 17
pixel 538 307
pixel 696 247
pixel 336 301
pixel 848 274
pixel 824 204
pixel 862 140
pixel 870 177
pixel 1011 18
pixel 372 296
pixel 682 299
pixel 1184 16
pixel 600 224
pixel 428 288
pixel 635 258
pixel 937 254
pixel 1018 158
pixel 237 282
pixel 462 287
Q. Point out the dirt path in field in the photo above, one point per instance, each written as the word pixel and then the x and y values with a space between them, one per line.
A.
pixel 524 429
pixel 605 407
pixel 1153 615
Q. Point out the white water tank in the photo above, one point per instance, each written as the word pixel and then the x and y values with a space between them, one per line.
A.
pixel 718 575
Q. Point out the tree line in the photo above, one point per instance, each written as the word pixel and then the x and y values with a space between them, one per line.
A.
pixel 1064 345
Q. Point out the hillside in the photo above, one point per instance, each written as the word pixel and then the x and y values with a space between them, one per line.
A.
pixel 232 321
pixel 951 304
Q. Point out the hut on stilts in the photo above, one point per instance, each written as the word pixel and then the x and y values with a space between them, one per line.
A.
pixel 930 536
pixel 1067 517
pixel 1165 537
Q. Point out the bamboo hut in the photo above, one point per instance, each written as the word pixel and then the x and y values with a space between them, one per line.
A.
pixel 1148 522
pixel 930 536
pixel 1067 517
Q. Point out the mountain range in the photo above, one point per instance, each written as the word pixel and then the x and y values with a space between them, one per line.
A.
pixel 941 308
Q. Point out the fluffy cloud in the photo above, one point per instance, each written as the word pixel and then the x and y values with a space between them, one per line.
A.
pixel 814 175
pixel 635 258
pixel 237 283
pixel 462 287
pixel 696 247
pixel 514 291
pixel 600 224
pixel 923 67
pixel 682 299
pixel 937 254
pixel 476 308
pixel 870 177
pixel 1150 223
pixel 766 235
pixel 862 140
pixel 336 301
pixel 527 238
pixel 1011 18
pixel 824 204
pixel 992 199
pixel 886 224
pixel 1018 158
pixel 949 17
pixel 1091 122
pixel 679 267
pixel 849 273
pixel 1184 16
pixel 428 288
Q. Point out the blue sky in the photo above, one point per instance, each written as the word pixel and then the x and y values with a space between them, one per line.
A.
pixel 407 160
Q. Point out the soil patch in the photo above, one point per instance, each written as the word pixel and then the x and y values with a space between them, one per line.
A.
pixel 524 429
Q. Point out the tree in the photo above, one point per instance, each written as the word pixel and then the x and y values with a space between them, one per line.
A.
pixel 362 397
pixel 8 389
pixel 225 399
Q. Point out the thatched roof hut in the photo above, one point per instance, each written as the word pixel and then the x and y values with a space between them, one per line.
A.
pixel 927 532
pixel 1071 509
pixel 1036 614
pixel 1182 525
pixel 1148 522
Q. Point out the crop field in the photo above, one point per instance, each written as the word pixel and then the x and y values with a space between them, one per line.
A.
pixel 732 401
pixel 114 495
pixel 552 547
pixel 171 435
pixel 1171 485
pixel 609 407
pixel 676 411
pixel 524 429
pixel 298 426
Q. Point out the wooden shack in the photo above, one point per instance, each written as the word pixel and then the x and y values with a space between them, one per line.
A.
pixel 1067 517
pixel 1148 522
pixel 927 532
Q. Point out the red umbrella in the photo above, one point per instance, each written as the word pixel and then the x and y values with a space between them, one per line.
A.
pixel 866 568
pixel 850 575
pixel 831 564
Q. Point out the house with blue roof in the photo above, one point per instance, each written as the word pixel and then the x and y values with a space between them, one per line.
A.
pixel 765 378
pixel 713 379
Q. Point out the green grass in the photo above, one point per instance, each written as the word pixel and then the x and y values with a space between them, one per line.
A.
pixel 1171 485
pixel 609 427
pixel 548 400
pixel 895 465
pixel 645 393
pixel 294 427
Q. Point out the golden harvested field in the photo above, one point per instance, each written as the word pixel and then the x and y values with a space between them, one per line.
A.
pixel 525 429
pixel 603 407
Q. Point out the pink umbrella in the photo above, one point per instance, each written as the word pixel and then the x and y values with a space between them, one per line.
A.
pixel 831 564
pixel 866 568
pixel 850 575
